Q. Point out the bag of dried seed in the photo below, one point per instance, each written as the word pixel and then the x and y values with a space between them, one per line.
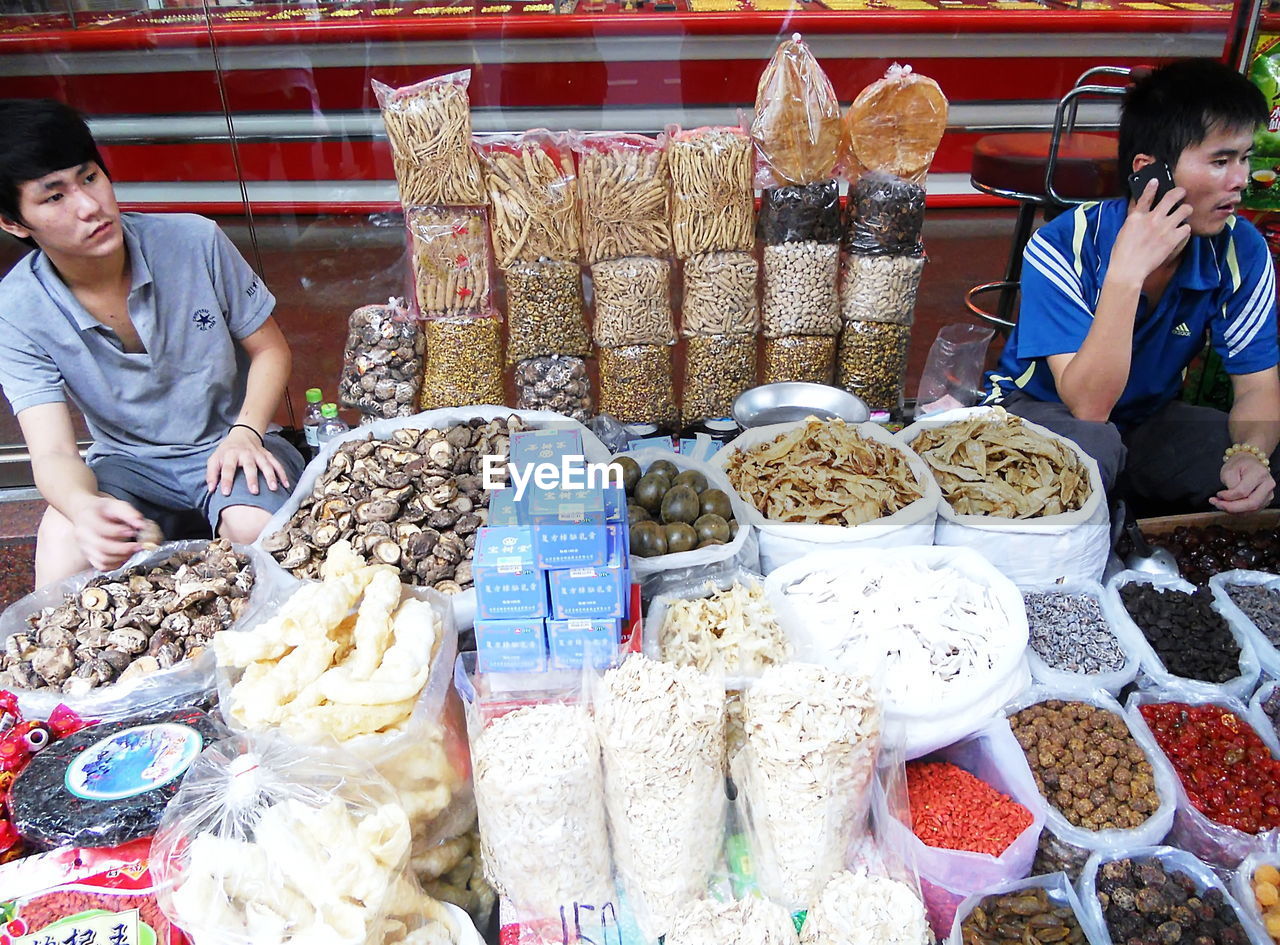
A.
pixel 872 362
pixel 720 295
pixel 532 195
pixel 809 358
pixel 544 310
pixel 632 302
pixel 1073 647
pixel 464 363
pixel 382 363
pixel 636 384
pixel 797 126
pixel 429 126
pixel 712 176
pixel 451 263
pixel 880 288
pixel 555 382
pixel 624 196
pixel 800 296
pixel 717 368
pixel 1038 904
pixel 1250 598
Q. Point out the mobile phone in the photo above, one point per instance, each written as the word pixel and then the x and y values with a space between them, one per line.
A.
pixel 1159 172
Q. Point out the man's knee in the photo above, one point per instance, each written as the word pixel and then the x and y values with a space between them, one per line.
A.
pixel 242 524
pixel 58 554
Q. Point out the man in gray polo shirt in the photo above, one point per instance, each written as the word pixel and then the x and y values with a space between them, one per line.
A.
pixel 157 329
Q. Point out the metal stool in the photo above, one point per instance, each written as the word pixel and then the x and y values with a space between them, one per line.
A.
pixel 1045 170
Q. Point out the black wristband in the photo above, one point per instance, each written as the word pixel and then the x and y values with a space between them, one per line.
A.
pixel 245 426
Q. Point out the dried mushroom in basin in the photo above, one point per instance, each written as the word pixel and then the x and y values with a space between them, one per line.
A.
pixel 994 464
pixel 825 473
pixel 124 625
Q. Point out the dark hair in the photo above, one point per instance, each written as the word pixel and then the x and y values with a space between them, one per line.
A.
pixel 1178 105
pixel 41 136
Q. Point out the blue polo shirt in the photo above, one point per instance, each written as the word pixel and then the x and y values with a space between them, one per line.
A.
pixel 1224 288
pixel 191 299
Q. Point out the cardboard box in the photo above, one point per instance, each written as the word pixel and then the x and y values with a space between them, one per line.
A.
pixel 504 511
pixel 594 592
pixel 511 646
pixel 569 640
pixel 544 446
pixel 509 547
pixel 575 506
pixel 507 579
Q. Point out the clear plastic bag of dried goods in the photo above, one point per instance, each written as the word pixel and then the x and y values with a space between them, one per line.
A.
pixel 895 126
pixel 539 792
pixel 797 126
pixel 1046 903
pixel 713 190
pixel 451 261
pixel 952 375
pixel 269 843
pixel 1216 843
pixel 1151 806
pixel 800 295
pixel 544 310
pixel 720 295
pixel 624 196
pixel 810 358
pixel 880 288
pixel 382 362
pixel 1094 882
pixel 636 385
pixel 429 126
pixel 632 302
pixel 804 774
pixel 884 216
pixel 1263 639
pixel 464 363
pixel 807 212
pixel 947 876
pixel 872 362
pixel 661 730
pixel 1154 673
pixel 532 195
pixel 555 382
pixel 717 368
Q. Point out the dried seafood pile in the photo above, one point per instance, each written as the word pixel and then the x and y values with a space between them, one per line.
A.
pixel 413 501
pixel 824 473
pixel 749 921
pixel 540 796
pixel 733 630
pixel 127 625
pixel 812 735
pixel 994 464
pixel 661 731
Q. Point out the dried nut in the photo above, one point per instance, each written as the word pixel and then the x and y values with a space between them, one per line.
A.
pixel 880 288
pixel 717 369
pixel 464 363
pixel 636 384
pixel 545 310
pixel 873 362
pixel 720 295
pixel 800 289
pixel 798 358
pixel 633 302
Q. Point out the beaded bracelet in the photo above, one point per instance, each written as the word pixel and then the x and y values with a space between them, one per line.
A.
pixel 245 426
pixel 1247 448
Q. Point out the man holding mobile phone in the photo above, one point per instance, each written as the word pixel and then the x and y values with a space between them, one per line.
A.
pixel 1118 297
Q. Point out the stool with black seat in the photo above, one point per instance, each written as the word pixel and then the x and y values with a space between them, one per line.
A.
pixel 1048 171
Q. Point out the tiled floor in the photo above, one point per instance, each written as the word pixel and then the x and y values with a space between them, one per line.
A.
pixel 321 269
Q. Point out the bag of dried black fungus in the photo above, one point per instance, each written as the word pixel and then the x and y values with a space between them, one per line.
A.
pixel 800 214
pixel 108 783
pixel 884 216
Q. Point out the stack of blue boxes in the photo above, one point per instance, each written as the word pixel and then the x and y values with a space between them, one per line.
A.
pixel 551 572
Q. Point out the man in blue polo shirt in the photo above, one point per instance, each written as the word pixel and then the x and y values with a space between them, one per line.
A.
pixel 158 330
pixel 1119 296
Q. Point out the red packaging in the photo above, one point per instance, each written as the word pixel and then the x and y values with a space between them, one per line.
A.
pixel 89 896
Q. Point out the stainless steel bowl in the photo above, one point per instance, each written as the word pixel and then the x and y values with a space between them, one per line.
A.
pixel 794 400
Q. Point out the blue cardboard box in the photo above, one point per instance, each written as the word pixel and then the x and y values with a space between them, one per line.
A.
pixel 511 646
pixel 509 547
pixel 544 446
pixel 667 443
pixel 507 580
pixel 564 505
pixel 615 504
pixel 504 511
pixel 570 640
pixel 593 592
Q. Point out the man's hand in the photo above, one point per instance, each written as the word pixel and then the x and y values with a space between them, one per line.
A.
pixel 1151 235
pixel 106 531
pixel 242 449
pixel 1249 485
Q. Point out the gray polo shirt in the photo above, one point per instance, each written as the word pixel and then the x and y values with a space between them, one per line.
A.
pixel 193 297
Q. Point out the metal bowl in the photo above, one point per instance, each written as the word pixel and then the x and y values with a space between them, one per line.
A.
pixel 795 400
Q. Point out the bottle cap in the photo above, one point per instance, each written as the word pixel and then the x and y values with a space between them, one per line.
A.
pixel 329 411
pixel 313 395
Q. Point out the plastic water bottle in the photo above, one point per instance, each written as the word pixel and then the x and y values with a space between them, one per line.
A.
pixel 311 417
pixel 332 425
